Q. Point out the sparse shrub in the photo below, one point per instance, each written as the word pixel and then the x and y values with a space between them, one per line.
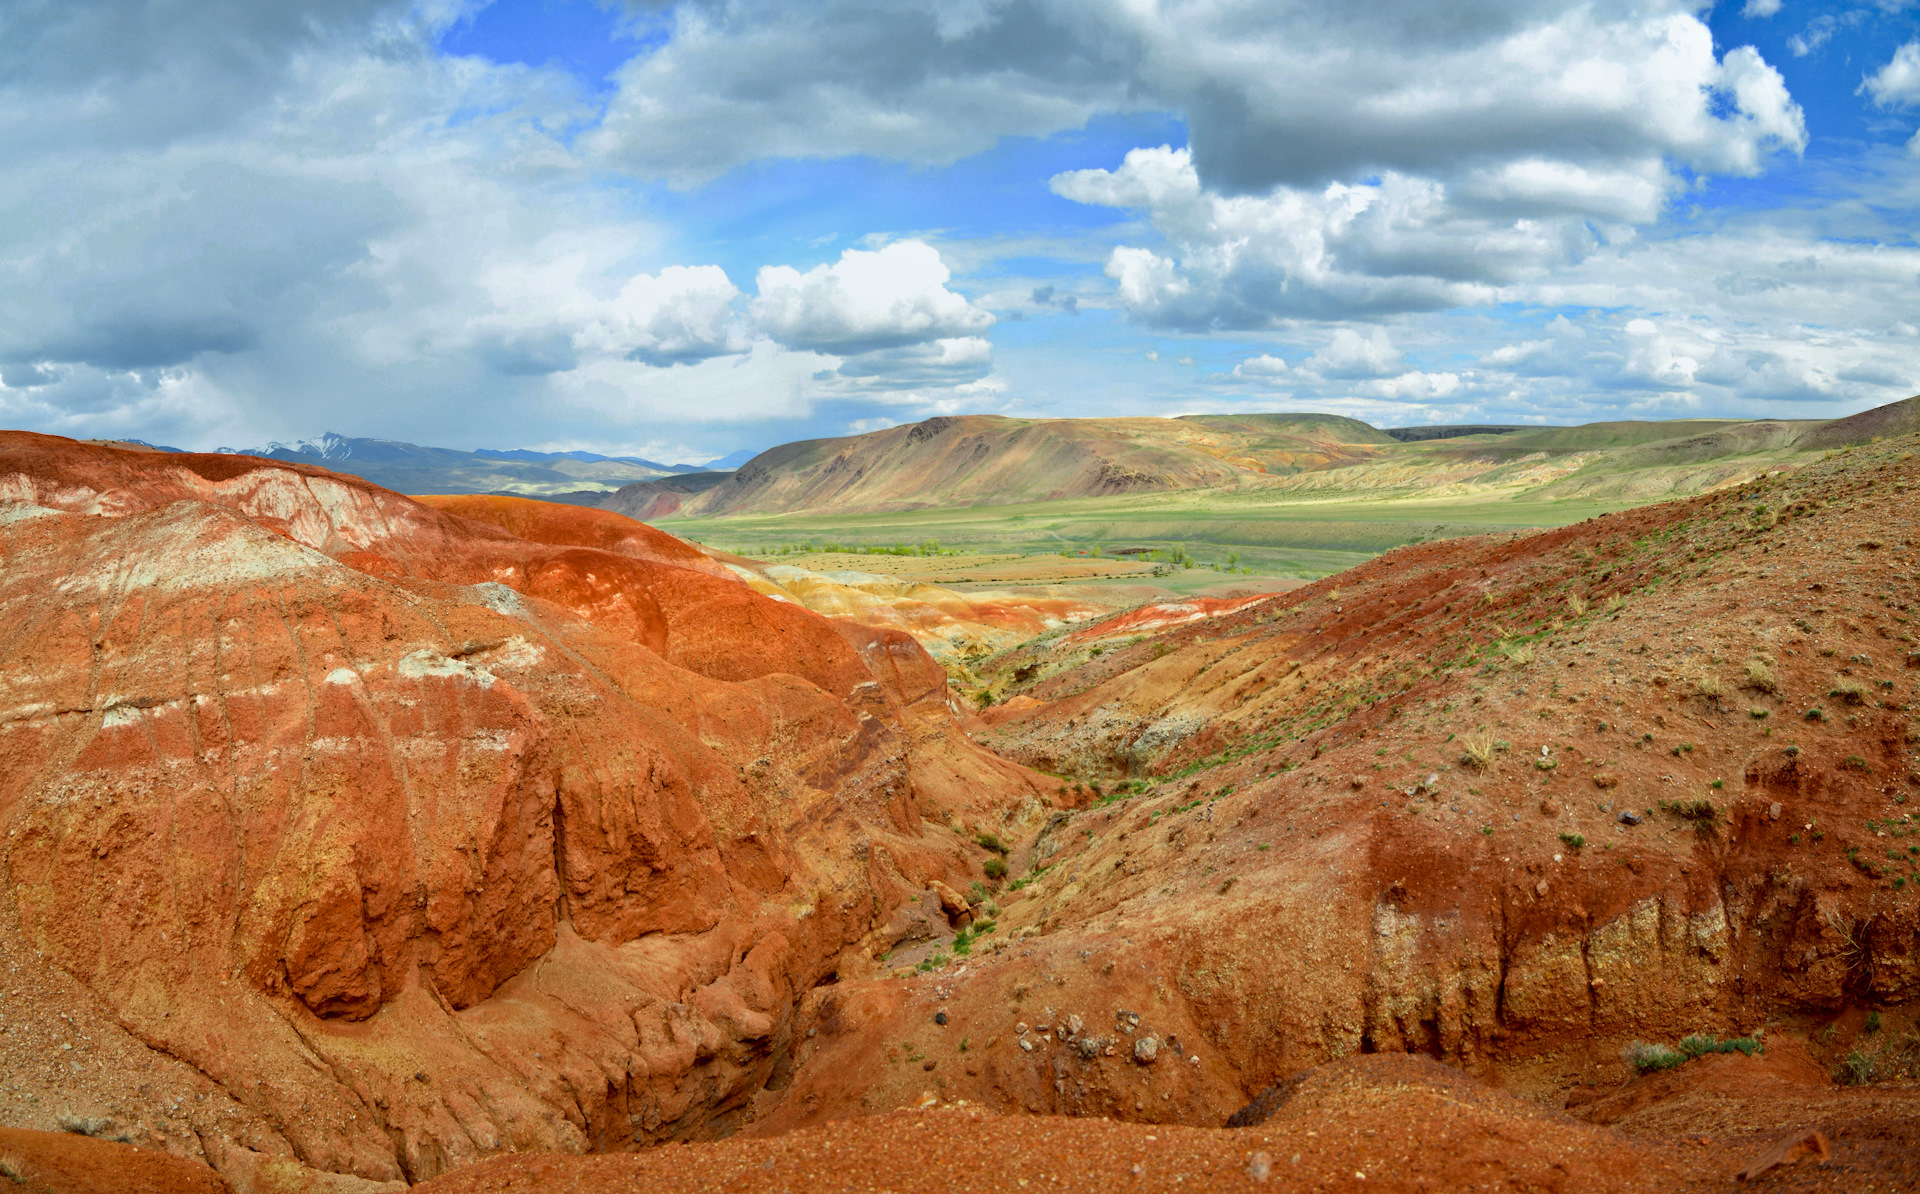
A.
pixel 1646 1058
pixel 1574 840
pixel 995 868
pixel 1858 764
pixel 1700 1044
pixel 989 841
pixel 1816 714
pixel 1477 751
pixel 1858 1069
pixel 1707 684
pixel 1757 714
pixel 1873 1023
pixel 1760 677
pixel 1851 691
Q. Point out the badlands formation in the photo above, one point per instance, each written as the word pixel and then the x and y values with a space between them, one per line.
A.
pixel 353 841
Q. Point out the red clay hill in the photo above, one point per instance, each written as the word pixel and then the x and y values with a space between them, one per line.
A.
pixel 347 835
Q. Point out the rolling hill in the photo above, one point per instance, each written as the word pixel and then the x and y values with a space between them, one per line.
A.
pixel 988 460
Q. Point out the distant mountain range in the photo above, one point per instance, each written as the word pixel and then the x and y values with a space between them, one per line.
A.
pixel 413 468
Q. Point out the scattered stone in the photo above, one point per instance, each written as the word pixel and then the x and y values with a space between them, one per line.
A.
pixel 1260 1168
pixel 1026 1046
pixel 1773 811
pixel 1020 1029
pixel 940 1018
pixel 928 1064
pixel 1145 1050
pixel 1630 818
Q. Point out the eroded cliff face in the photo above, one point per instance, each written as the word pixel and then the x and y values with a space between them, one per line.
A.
pixel 378 839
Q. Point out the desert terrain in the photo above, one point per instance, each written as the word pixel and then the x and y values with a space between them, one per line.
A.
pixel 356 842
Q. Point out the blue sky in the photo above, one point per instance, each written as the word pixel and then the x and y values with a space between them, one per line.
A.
pixel 685 228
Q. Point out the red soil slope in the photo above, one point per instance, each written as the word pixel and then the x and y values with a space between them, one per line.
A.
pixel 1511 803
pixel 343 835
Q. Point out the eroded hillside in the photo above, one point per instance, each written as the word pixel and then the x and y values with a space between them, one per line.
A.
pixel 353 838
pixel 349 836
pixel 1512 803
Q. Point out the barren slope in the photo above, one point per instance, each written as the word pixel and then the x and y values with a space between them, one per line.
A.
pixel 987 459
pixel 1510 803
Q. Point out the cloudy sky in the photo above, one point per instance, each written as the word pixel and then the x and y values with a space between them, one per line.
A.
pixel 685 228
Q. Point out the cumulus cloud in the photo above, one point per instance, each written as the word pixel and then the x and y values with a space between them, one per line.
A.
pixel 1292 92
pixel 1760 9
pixel 944 363
pixel 1660 360
pixel 1247 261
pixel 868 300
pixel 924 81
pixel 684 313
pixel 1262 368
pixel 1363 353
pixel 1398 244
pixel 1415 384
pixel 1897 84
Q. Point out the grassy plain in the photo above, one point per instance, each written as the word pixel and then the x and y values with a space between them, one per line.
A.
pixel 1315 521
pixel 1303 538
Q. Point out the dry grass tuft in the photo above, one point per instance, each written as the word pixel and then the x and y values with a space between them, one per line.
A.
pixel 1576 604
pixel 1851 691
pixel 1760 677
pixel 1707 684
pixel 1477 751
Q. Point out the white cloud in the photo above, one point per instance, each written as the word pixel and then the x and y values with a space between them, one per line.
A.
pixel 1897 84
pixel 683 313
pixel 955 361
pixel 1760 9
pixel 1264 370
pixel 1658 360
pixel 1412 385
pixel 1510 355
pixel 1264 365
pixel 926 81
pixel 1283 92
pixel 1364 353
pixel 889 298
